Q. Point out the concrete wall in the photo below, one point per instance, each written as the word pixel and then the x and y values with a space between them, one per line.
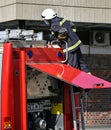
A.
pixel 7 10
pixel 97 11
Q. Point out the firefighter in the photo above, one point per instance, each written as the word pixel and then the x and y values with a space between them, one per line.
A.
pixel 64 31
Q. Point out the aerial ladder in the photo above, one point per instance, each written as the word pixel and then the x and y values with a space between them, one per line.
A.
pixel 38 88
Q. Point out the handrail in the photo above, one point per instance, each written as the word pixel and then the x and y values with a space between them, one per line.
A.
pixel 66 49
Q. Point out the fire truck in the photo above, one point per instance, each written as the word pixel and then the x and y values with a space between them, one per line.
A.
pixel 38 90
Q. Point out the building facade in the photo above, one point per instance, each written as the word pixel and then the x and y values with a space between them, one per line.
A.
pixel 95 11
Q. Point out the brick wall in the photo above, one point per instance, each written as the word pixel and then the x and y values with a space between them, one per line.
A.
pixel 100 65
pixel 97 103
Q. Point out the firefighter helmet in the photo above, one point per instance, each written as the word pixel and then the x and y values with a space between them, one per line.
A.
pixel 48 14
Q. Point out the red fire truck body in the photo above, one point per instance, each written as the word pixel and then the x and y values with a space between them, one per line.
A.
pixel 37 92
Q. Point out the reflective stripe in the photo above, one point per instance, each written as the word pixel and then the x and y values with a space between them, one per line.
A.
pixel 62 37
pixel 61 22
pixel 52 32
pixel 72 47
pixel 74 30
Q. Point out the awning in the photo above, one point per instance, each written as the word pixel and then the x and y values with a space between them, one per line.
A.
pixel 71 75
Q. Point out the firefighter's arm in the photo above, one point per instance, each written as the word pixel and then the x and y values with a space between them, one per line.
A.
pixel 61 32
pixel 72 25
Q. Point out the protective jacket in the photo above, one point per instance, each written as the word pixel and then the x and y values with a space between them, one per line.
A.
pixel 72 39
pixel 75 58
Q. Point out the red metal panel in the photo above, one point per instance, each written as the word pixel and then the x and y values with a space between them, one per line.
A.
pixel 68 119
pixel 23 93
pixel 17 103
pixel 14 88
pixel 44 55
pixel 71 75
pixel 7 86
pixel 0 86
pixel 20 97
